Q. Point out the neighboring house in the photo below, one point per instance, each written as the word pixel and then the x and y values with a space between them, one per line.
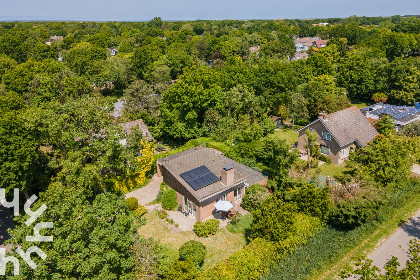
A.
pixel 202 176
pixel 277 121
pixel 53 38
pixel 401 115
pixel 299 56
pixel 254 49
pixel 320 43
pixel 303 44
pixel 129 126
pixel 339 132
pixel 323 24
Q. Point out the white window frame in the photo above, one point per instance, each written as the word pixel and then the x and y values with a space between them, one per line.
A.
pixel 345 152
pixel 326 136
pixel 327 154
pixel 237 194
pixel 222 197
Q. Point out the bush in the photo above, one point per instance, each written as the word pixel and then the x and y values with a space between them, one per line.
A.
pixel 235 218
pixel 254 196
pixel 162 214
pixel 132 203
pixel 193 250
pixel 207 228
pixel 353 213
pixel 169 201
pixel 310 199
pixel 251 262
pixel 140 211
pixel 325 158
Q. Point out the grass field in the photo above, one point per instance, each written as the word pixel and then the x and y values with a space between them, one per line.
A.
pixel 288 134
pixel 328 169
pixel 219 246
pixel 242 225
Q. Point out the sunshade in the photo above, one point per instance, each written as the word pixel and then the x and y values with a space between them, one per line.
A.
pixel 223 205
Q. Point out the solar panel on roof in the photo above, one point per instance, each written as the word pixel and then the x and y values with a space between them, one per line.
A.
pixel 199 177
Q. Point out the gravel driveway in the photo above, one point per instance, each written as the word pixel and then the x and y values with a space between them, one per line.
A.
pixel 148 193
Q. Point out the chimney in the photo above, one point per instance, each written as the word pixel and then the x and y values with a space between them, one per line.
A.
pixel 322 115
pixel 228 173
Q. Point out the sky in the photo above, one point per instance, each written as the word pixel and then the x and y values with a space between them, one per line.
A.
pixel 143 10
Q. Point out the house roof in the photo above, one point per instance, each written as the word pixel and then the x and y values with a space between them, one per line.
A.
pixel 319 43
pixel 348 126
pixel 128 126
pixel 215 161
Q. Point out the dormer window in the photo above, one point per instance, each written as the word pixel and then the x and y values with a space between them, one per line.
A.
pixel 326 136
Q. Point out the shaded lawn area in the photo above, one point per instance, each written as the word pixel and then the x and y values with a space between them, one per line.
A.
pixel 219 246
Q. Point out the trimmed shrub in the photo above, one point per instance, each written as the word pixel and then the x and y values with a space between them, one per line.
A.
pixel 200 229
pixel 254 196
pixel 353 213
pixel 132 203
pixel 207 228
pixel 212 226
pixel 193 250
pixel 169 201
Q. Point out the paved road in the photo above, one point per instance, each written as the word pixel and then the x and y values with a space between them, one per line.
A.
pixel 397 244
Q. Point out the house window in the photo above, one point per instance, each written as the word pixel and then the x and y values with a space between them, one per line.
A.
pixel 222 197
pixel 325 150
pixel 238 194
pixel 326 136
pixel 345 152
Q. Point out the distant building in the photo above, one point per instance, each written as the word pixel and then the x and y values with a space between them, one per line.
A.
pixel 339 132
pixel 140 125
pixel 299 56
pixel 401 115
pixel 323 24
pixel 60 58
pixel 303 44
pixel 53 39
pixel 113 52
pixel 320 43
pixel 254 49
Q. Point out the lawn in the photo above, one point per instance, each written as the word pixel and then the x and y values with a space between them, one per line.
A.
pixel 243 224
pixel 219 246
pixel 328 170
pixel 288 134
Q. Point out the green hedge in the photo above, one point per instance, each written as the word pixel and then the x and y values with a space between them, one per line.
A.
pixel 207 228
pixel 169 201
pixel 353 213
